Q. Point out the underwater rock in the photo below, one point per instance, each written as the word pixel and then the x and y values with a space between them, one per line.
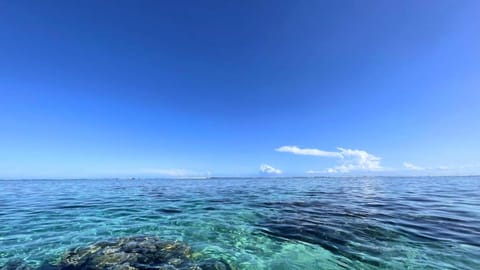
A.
pixel 214 265
pixel 137 253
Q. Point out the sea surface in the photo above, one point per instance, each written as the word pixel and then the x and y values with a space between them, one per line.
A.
pixel 254 223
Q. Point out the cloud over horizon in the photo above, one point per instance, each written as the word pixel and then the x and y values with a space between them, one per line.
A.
pixel 265 168
pixel 307 151
pixel 410 166
pixel 349 159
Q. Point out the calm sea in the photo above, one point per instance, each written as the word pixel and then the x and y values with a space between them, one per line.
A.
pixel 287 223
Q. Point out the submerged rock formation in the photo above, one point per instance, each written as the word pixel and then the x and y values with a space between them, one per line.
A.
pixel 130 253
pixel 133 253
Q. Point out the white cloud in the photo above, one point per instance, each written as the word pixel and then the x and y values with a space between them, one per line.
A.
pixel 265 168
pixel 349 159
pixel 410 166
pixel 357 160
pixel 332 170
pixel 307 151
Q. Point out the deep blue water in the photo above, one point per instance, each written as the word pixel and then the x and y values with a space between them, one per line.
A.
pixel 322 223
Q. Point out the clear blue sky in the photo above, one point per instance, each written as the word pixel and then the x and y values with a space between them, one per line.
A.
pixel 177 88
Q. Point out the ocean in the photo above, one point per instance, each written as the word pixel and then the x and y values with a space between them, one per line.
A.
pixel 252 223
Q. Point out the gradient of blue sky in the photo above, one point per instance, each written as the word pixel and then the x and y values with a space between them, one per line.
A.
pixel 152 88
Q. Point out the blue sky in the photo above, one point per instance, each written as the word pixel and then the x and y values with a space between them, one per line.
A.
pixel 224 88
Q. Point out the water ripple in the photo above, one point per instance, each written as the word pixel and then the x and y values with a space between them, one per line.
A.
pixel 324 223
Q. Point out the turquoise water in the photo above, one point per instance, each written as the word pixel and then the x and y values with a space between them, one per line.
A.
pixel 322 223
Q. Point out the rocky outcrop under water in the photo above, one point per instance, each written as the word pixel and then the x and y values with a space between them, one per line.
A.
pixel 130 253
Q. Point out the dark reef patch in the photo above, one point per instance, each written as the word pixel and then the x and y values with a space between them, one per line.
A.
pixel 345 230
pixel 129 253
pixel 365 232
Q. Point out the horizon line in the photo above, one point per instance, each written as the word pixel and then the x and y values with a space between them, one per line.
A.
pixel 237 177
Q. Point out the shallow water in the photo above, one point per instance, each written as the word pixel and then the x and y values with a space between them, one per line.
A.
pixel 321 223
